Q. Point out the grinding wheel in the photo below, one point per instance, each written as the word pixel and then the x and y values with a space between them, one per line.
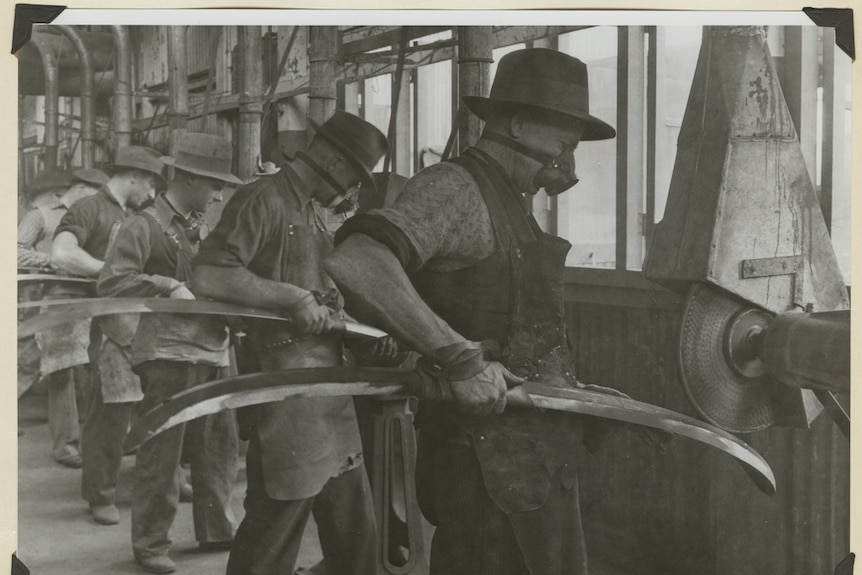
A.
pixel 724 380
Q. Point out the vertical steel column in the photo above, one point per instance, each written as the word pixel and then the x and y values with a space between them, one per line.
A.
pixel 88 108
pixel 52 102
pixel 178 78
pixel 403 128
pixel 474 75
pixel 250 102
pixel 122 87
pixel 322 62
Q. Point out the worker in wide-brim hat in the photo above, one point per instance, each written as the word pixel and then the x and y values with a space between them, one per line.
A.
pixel 151 257
pixel 81 243
pixel 464 262
pixel 267 251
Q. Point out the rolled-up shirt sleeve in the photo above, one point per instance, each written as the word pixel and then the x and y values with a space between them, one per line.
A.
pixel 243 228
pixel 79 220
pixel 443 216
pixel 123 273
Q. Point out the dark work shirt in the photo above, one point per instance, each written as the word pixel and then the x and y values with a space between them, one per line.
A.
pixel 150 257
pixel 93 221
pixel 256 228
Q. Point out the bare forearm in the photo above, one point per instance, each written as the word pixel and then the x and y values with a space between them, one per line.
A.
pixel 377 291
pixel 239 285
pixel 67 256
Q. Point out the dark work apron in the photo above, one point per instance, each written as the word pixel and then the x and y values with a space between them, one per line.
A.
pixel 523 454
pixel 303 441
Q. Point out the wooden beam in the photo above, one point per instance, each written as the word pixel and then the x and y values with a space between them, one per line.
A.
pixel 354 72
pixel 509 35
pixel 383 36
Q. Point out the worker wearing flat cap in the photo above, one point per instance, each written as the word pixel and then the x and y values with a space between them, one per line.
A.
pixel 475 286
pixel 63 350
pixel 304 455
pixel 80 244
pixel 151 257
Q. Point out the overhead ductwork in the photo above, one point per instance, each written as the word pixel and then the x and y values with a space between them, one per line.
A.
pixel 88 104
pixel 52 97
pixel 31 77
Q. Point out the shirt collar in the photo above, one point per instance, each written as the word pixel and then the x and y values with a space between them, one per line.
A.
pixel 297 185
pixel 165 213
pixel 106 191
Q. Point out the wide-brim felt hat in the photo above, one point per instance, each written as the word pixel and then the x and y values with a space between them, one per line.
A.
pixel 204 155
pixel 360 141
pixel 90 176
pixel 543 80
pixel 138 158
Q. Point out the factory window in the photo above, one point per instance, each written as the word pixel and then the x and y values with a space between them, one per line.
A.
pixel 640 79
pixel 586 214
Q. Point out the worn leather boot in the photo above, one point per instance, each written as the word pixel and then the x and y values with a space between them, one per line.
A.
pixel 105 514
pixel 156 563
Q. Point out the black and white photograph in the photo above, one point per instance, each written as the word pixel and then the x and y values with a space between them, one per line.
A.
pixel 434 293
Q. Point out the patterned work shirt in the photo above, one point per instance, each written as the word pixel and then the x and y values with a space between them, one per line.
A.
pixel 441 212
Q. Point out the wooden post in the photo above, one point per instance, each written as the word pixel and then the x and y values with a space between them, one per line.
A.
pixel 178 85
pixel 322 62
pixel 474 75
pixel 403 128
pixel 250 103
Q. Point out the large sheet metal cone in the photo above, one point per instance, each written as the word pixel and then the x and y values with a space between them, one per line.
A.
pixel 740 193
pixel 742 214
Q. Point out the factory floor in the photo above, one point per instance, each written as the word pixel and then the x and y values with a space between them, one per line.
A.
pixel 57 536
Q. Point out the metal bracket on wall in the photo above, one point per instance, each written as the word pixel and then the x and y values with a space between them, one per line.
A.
pixel 778 266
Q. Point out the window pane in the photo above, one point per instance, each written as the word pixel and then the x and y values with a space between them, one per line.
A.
pixel 378 104
pixel 434 111
pixel 586 213
pixel 841 162
pixel 677 48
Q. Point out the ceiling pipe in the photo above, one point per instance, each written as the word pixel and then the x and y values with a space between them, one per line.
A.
pixel 122 87
pixel 51 138
pixel 88 107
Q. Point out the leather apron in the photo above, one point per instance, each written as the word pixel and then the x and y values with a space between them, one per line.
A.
pixel 304 441
pixel 116 332
pixel 66 345
pixel 521 450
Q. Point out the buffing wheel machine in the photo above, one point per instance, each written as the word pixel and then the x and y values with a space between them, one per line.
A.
pixel 765 335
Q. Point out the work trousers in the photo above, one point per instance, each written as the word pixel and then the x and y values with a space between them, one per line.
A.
pixel 267 541
pixel 63 411
pixel 102 438
pixel 28 364
pixel 211 443
pixel 474 536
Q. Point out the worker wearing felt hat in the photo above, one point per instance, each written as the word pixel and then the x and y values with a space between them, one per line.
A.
pixel 304 455
pixel 465 263
pixel 151 257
